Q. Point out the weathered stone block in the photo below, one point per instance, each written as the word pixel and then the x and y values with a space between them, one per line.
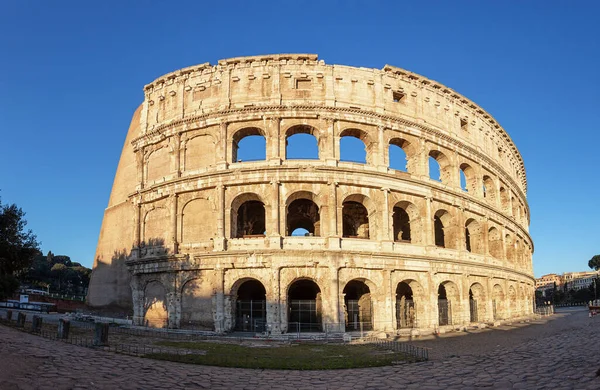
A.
pixel 101 333
pixel 36 324
pixel 21 319
pixel 64 326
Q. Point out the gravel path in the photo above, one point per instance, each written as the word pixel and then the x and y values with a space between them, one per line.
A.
pixel 561 352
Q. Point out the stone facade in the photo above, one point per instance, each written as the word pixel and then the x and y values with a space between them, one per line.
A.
pixel 194 237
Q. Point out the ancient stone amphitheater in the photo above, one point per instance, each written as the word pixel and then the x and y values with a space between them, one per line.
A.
pixel 194 235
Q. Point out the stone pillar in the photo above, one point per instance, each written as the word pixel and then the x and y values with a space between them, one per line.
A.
pixel 101 334
pixel 275 225
pixel 276 150
pixel 465 304
pixel 139 160
pixel 274 304
pixel 175 154
pixel 21 319
pixel 174 243
pixel 36 324
pixel 223 157
pixel 336 303
pixel 220 300
pixel 329 153
pixel 485 238
pixel 137 297
pixel 334 212
pixel 387 231
pixel 137 222
pixel 63 328
pixel 219 241
pixel 388 304
pixel 461 234
pixel 380 157
pixel 9 314
pixel 490 301
pixel 428 225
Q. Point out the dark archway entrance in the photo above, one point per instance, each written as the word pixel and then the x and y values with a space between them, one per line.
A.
pixel 251 307
pixel 359 310
pixel 444 309
pixel 406 316
pixel 304 303
pixel 304 214
pixel 474 315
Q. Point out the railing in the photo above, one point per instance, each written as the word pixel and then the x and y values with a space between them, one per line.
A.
pixel 419 353
pixel 545 310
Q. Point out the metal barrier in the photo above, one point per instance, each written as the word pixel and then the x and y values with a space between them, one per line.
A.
pixel 418 353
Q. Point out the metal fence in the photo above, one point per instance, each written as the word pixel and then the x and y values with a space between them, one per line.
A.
pixel 545 310
pixel 418 353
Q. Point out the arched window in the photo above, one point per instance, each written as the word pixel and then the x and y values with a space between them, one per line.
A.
pixel 439 232
pixel 473 237
pixel 505 203
pixel 303 214
pixel 247 216
pixel 398 158
pixel 355 219
pixel 249 144
pixel 495 243
pixel 489 189
pixel 467 239
pixel 401 225
pixel 358 308
pixel 353 146
pixel 439 167
pixel 467 178
pixel 301 143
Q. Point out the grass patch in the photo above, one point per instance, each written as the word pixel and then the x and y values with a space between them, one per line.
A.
pixel 282 356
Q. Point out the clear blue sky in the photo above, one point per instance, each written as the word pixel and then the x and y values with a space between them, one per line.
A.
pixel 72 72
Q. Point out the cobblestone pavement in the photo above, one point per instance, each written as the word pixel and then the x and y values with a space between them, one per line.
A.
pixel 561 352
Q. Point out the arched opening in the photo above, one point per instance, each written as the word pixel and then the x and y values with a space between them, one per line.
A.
pixel 401 221
pixel 439 167
pixel 358 313
pixel 155 305
pixel 251 307
pixel 489 189
pixel 510 248
pixel 512 301
pixel 355 220
pixel 444 307
pixel 301 143
pixel 474 237
pixel 303 214
pixel 467 178
pixel 504 201
pixel 249 144
pixel 406 315
pixel 300 232
pixel 476 303
pixel 304 303
pixel 354 146
pixel 398 159
pixel 438 226
pixel 495 243
pixel 247 217
pixel 498 303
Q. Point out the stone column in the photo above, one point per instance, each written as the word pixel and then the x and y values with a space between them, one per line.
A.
pixel 63 329
pixel 461 234
pixel 380 158
pixel 139 161
pixel 334 212
pixel 175 157
pixel 387 233
pixel 490 301
pixel 101 334
pixel 329 154
pixel 277 146
pixel 387 307
pixel 220 300
pixel 274 303
pixel 428 223
pixel 275 225
pixel 485 236
pixel 220 241
pixel 223 159
pixel 174 241
pixel 465 304
pixel 137 227
pixel 336 304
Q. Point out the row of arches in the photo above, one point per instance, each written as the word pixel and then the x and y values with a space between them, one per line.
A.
pixel 304 303
pixel 303 141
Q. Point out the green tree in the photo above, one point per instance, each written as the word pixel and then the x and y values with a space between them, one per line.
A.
pixel 594 262
pixel 58 271
pixel 18 247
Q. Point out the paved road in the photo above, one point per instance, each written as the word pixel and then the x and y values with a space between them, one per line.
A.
pixel 558 353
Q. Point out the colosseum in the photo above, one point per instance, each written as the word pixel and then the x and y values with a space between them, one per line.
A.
pixel 424 230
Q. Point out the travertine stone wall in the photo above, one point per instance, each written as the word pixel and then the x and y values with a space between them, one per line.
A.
pixel 188 224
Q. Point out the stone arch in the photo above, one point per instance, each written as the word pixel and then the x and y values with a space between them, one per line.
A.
pixel 154 230
pixel 448 303
pixel 410 298
pixel 364 137
pixel 194 152
pixel 489 189
pixel 358 307
pixel 407 223
pixel 495 243
pixel 444 229
pixel 304 305
pixel 155 305
pixel 198 221
pixel 356 216
pixel 242 133
pixel 158 164
pixel 196 304
pixel 512 301
pixel 409 155
pixel 250 304
pixel 303 212
pixel 498 302
pixel 445 166
pixel 477 302
pixel 248 215
pixel 305 130
pixel 474 236
pixel 504 200
pixel 470 177
pixel 509 242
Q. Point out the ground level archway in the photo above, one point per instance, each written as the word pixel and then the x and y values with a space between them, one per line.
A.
pixel 251 307
pixel 358 308
pixel 304 305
